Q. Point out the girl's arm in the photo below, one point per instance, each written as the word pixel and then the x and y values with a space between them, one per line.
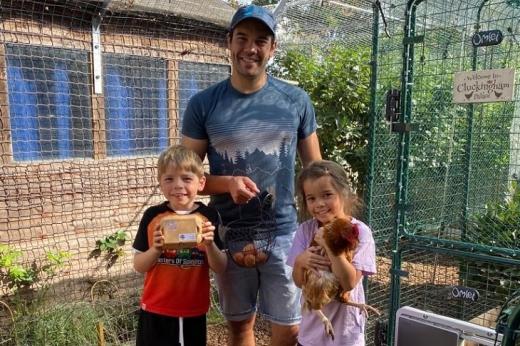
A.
pixel 299 266
pixel 310 259
pixel 144 261
pixel 217 258
pixel 348 276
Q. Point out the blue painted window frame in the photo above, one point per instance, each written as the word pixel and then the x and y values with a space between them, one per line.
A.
pixel 136 104
pixel 196 76
pixel 49 102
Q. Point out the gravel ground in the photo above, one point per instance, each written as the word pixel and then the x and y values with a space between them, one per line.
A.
pixel 217 333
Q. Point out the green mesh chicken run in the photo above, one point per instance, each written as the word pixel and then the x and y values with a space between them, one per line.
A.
pixel 443 193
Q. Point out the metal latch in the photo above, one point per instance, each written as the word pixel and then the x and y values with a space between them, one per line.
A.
pixel 393 105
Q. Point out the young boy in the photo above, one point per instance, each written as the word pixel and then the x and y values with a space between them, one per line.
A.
pixel 176 291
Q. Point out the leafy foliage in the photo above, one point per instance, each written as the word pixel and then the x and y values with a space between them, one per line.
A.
pixel 111 246
pixel 337 80
pixel 500 224
pixel 17 276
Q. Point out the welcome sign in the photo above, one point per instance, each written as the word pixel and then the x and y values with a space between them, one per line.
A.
pixel 484 86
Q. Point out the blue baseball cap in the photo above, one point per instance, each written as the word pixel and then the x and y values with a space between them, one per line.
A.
pixel 254 12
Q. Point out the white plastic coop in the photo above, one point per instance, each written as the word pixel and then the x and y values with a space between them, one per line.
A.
pixel 418 327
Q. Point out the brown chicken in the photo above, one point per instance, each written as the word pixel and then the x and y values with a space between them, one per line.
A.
pixel 320 288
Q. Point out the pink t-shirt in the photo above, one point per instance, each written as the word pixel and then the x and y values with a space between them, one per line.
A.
pixel 348 321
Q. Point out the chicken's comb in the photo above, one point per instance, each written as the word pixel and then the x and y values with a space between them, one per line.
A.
pixel 353 236
pixel 355 230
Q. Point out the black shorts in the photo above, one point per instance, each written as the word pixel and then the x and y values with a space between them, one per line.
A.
pixel 159 330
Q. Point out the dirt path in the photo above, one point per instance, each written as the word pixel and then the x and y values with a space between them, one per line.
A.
pixel 217 334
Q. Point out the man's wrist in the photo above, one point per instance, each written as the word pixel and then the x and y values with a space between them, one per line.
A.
pixel 230 180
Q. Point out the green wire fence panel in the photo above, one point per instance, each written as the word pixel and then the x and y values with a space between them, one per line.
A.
pixel 462 164
pixel 453 284
pixel 459 163
pixel 445 174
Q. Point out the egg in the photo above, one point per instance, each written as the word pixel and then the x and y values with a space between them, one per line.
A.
pixel 249 249
pixel 249 260
pixel 238 257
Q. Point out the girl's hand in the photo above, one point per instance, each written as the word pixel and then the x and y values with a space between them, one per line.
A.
pixel 318 238
pixel 208 233
pixel 158 239
pixel 313 259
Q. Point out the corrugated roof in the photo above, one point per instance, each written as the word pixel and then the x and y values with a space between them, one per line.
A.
pixel 216 12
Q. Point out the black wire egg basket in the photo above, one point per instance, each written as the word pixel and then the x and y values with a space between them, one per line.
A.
pixel 250 238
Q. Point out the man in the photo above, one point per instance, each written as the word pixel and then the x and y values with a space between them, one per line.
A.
pixel 251 126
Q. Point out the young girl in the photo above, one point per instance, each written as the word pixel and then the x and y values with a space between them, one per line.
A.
pixel 324 192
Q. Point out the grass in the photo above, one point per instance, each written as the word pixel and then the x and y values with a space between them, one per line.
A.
pixel 214 314
pixel 72 323
pixel 68 324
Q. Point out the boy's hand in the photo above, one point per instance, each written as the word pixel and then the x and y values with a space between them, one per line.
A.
pixel 158 239
pixel 208 233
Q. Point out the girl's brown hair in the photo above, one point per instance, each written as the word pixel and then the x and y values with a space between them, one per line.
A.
pixel 339 180
pixel 180 157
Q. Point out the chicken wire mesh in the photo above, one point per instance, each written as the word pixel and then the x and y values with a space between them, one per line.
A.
pixel 435 281
pixel 91 91
pixel 250 238
pixel 445 174
pixel 312 24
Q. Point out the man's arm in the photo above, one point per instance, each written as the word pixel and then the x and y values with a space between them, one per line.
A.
pixel 200 146
pixel 309 149
pixel 242 189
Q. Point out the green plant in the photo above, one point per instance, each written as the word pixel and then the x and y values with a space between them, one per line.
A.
pixel 337 79
pixel 27 287
pixel 60 324
pixel 117 313
pixel 111 247
pixel 214 314
pixel 119 319
pixel 16 275
pixel 500 224
pixel 45 321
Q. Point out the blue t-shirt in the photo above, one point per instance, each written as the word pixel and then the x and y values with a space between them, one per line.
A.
pixel 253 135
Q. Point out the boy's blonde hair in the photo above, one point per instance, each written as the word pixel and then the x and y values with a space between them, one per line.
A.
pixel 180 157
pixel 339 180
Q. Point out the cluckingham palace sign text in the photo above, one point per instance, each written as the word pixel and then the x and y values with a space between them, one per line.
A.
pixel 484 86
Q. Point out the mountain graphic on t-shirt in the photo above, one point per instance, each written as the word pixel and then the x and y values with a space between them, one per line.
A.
pixel 267 170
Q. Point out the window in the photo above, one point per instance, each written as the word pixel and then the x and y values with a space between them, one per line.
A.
pixel 194 77
pixel 136 105
pixel 49 102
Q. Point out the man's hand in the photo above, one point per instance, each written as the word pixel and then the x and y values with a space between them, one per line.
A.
pixel 242 189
